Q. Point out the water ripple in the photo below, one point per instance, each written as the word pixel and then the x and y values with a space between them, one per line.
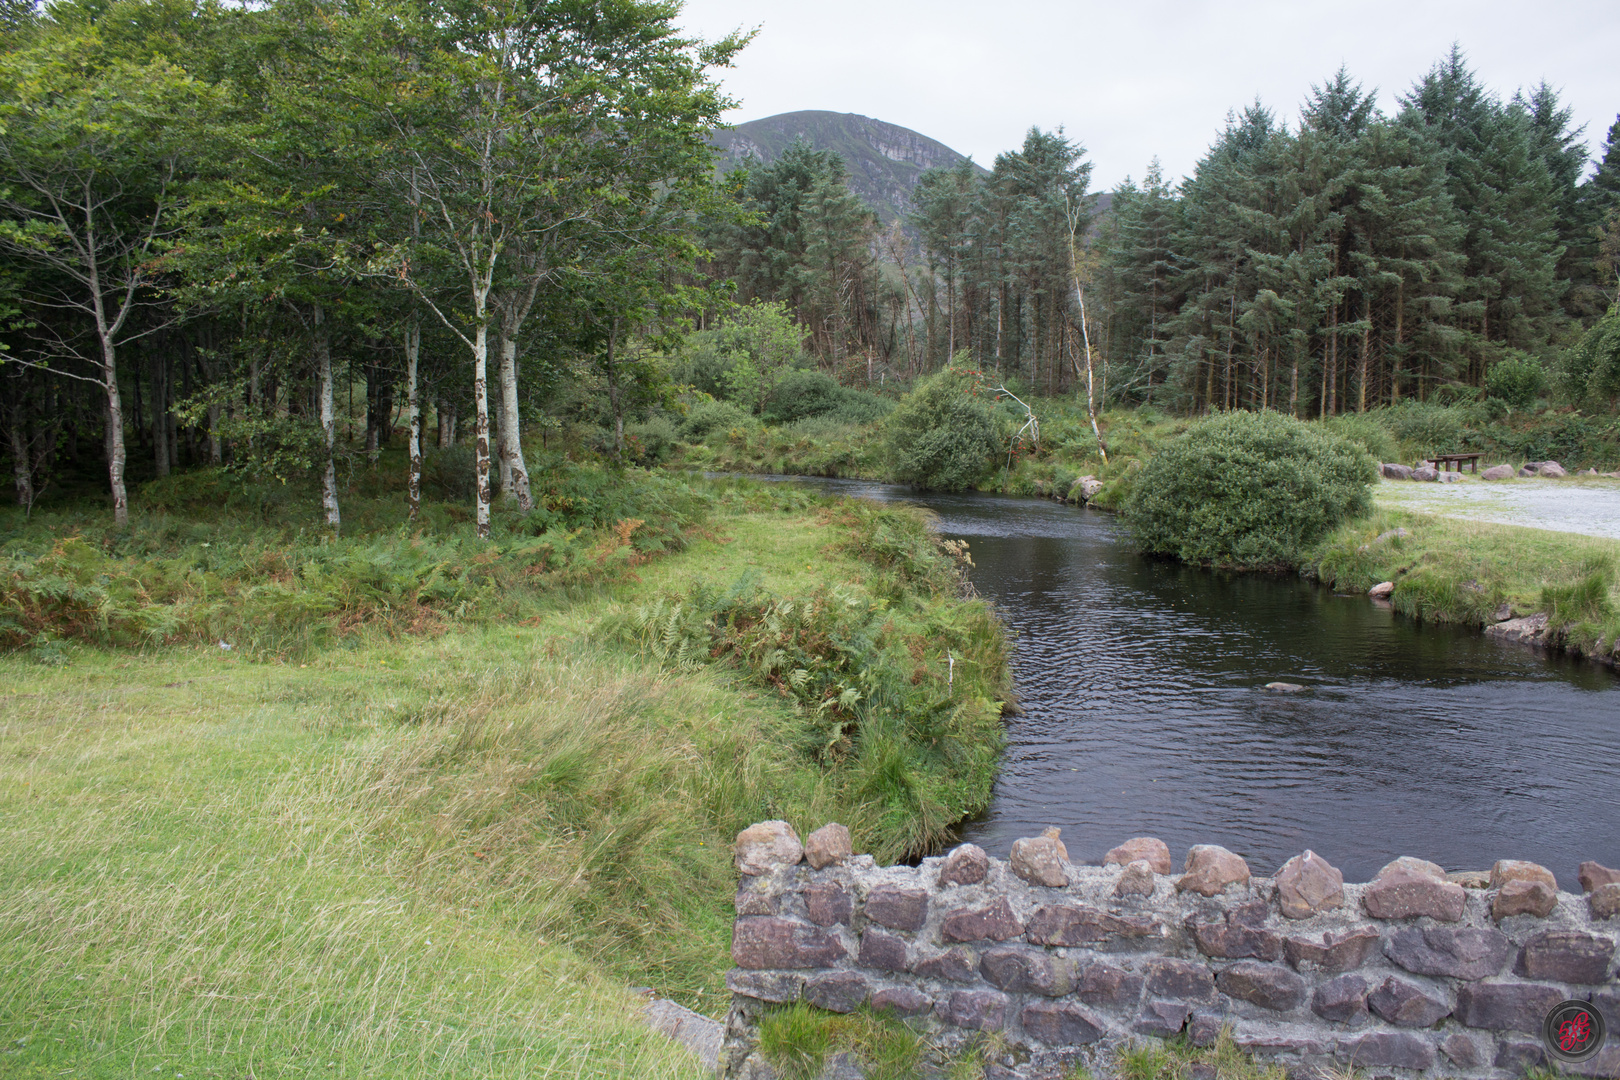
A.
pixel 1144 714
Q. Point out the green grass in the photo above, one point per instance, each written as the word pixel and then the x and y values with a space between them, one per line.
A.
pixel 1174 1059
pixel 798 1039
pixel 1471 572
pixel 440 843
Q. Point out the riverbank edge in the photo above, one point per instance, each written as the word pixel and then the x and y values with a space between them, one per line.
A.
pixel 1436 566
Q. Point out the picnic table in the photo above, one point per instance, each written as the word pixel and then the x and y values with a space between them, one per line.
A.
pixel 1457 459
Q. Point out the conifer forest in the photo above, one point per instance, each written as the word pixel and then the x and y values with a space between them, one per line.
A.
pixel 220 224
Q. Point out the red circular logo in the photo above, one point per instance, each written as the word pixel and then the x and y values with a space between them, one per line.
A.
pixel 1573 1031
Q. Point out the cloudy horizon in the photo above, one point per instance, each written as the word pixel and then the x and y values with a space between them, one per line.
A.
pixel 1134 83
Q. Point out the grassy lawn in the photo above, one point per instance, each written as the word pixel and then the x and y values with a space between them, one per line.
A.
pixel 448 853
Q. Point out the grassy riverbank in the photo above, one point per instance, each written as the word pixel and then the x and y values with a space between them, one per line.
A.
pixel 1473 573
pixel 435 821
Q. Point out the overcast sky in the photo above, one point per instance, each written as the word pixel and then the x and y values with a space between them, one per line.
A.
pixel 1134 80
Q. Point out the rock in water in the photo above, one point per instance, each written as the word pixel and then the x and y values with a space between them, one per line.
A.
pixel 1308 884
pixel 766 846
pixel 1284 687
pixel 1381 590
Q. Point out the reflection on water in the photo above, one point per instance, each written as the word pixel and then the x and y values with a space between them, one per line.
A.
pixel 1141 683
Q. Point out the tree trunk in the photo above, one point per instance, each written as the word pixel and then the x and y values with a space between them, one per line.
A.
pixel 512 428
pixel 115 433
pixel 413 407
pixel 1395 365
pixel 160 412
pixel 480 351
pixel 1366 340
pixel 20 459
pixel 327 404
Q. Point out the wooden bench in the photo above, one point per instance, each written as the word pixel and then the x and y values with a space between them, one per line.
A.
pixel 1457 459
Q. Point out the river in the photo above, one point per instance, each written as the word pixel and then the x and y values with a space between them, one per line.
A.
pixel 1144 713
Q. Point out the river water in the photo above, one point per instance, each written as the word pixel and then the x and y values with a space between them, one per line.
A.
pixel 1144 714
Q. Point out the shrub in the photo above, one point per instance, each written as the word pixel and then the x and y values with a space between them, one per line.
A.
pixel 1518 380
pixel 653 440
pixel 804 394
pixel 1364 430
pixel 709 416
pixel 1250 490
pixel 451 473
pixel 1425 430
pixel 942 435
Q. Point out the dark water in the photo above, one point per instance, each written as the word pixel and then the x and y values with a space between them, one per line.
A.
pixel 1141 684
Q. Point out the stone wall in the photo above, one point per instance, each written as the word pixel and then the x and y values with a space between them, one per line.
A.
pixel 1415 972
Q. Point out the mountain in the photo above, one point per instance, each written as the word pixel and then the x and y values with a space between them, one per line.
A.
pixel 884 160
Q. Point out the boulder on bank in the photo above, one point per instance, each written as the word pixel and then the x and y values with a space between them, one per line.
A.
pixel 1381 590
pixel 1543 468
pixel 1497 472
pixel 1426 472
pixel 1083 489
pixel 1394 471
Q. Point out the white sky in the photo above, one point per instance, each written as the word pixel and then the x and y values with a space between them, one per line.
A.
pixel 1134 80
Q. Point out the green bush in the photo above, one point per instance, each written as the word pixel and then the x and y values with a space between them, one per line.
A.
pixel 651 441
pixel 1364 430
pixel 1425 430
pixel 942 435
pixel 803 394
pixel 451 474
pixel 1250 490
pixel 709 416
pixel 1517 379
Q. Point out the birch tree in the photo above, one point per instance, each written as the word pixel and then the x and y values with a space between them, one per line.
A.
pixel 91 183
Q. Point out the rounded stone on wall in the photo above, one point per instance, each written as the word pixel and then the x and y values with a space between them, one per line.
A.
pixel 1523 897
pixel 1148 848
pixel 1594 875
pixel 1507 870
pixel 1604 901
pixel 767 846
pixel 1211 869
pixel 1041 860
pixel 1135 880
pixel 1308 884
pixel 827 845
pixel 967 864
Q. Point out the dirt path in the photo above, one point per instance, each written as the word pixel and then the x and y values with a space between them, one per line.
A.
pixel 1577 504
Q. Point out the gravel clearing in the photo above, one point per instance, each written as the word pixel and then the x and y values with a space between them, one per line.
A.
pixel 1586 505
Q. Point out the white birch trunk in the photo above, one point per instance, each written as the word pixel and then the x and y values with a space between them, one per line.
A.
pixel 516 472
pixel 323 372
pixel 413 349
pixel 480 351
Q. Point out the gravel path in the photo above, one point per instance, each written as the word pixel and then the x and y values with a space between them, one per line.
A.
pixel 1586 505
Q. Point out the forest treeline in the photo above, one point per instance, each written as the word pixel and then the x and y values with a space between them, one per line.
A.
pixel 220 224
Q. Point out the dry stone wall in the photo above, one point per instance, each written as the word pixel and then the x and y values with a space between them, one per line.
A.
pixel 1417 972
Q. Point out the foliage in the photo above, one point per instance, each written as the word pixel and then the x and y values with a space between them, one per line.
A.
pixel 898 696
pixel 798 1038
pixel 1592 367
pixel 807 393
pixel 1517 379
pixel 270 590
pixel 1248 490
pixel 745 355
pixel 942 435
pixel 707 417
